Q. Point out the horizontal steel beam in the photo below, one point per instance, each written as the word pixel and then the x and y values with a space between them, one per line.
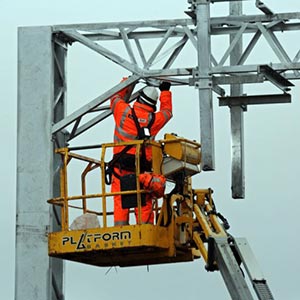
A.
pixel 232 29
pixel 238 79
pixel 253 68
pixel 219 21
pixel 110 30
pixel 94 27
pixel 254 99
pixel 167 72
pixel 219 29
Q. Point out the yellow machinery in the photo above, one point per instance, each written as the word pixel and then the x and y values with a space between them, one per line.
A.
pixel 187 225
pixel 185 219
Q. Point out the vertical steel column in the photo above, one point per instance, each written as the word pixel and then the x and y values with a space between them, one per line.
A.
pixel 60 138
pixel 237 118
pixel 35 163
pixel 204 84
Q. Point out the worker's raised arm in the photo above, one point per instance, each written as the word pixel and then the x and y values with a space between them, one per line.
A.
pixel 166 99
pixel 165 112
pixel 118 97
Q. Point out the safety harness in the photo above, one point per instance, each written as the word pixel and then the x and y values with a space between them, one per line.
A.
pixel 143 134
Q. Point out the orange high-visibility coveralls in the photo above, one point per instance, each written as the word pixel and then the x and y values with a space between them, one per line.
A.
pixel 125 130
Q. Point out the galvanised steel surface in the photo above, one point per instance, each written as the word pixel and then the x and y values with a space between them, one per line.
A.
pixel 40 103
pixel 237 112
pixel 204 84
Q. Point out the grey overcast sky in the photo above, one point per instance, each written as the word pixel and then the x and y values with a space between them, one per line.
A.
pixel 268 216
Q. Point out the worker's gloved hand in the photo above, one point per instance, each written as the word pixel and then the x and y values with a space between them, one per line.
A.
pixel 164 86
pixel 122 93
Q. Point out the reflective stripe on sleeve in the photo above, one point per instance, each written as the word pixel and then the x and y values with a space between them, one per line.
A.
pixel 167 114
pixel 115 100
pixel 124 115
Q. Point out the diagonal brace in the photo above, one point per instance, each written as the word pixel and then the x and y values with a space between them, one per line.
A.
pixel 94 103
pixel 73 34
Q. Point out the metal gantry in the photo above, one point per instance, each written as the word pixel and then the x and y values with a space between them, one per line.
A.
pixel 207 75
pixel 42 117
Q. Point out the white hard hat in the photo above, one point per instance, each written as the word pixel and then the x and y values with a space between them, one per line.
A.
pixel 149 95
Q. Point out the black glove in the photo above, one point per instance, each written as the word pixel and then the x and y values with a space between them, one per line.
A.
pixel 164 86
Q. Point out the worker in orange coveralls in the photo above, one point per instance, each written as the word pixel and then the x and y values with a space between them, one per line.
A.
pixel 126 130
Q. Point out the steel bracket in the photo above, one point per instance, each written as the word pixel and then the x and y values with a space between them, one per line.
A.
pixel 254 99
pixel 260 5
pixel 274 77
